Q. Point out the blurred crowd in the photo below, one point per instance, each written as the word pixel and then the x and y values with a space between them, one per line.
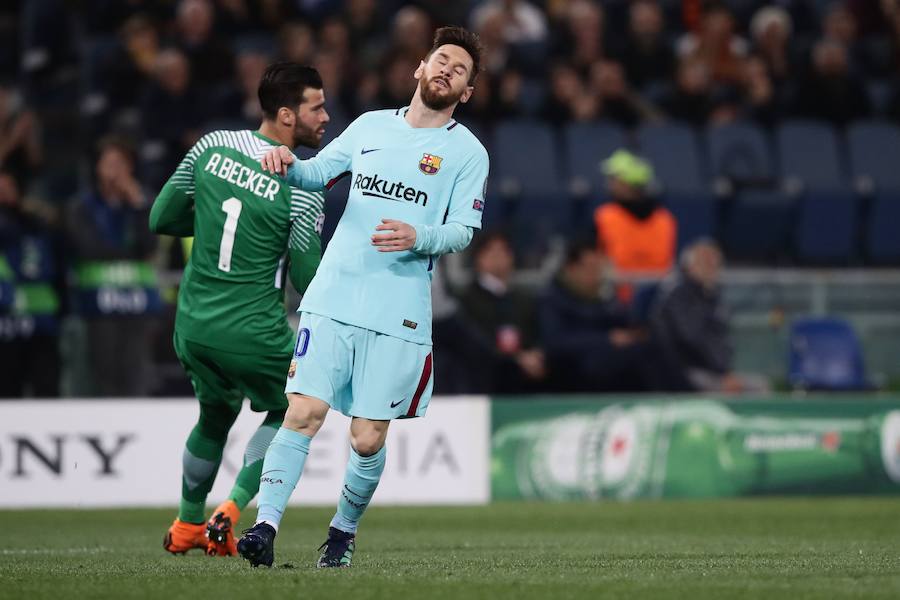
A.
pixel 100 99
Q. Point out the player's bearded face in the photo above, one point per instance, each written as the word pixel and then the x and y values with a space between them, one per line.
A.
pixel 307 135
pixel 310 119
pixel 444 78
pixel 437 93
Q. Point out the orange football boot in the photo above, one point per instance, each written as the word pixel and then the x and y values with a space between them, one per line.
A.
pixel 220 530
pixel 182 537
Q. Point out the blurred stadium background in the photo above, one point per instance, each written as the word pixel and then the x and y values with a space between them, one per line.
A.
pixel 692 223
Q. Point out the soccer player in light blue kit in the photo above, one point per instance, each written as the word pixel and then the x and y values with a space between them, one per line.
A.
pixel 364 342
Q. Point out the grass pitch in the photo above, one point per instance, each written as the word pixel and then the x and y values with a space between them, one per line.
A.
pixel 798 548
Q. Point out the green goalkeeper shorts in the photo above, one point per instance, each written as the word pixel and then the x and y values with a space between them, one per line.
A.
pixel 221 377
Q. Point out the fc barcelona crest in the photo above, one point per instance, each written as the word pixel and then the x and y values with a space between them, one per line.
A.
pixel 430 164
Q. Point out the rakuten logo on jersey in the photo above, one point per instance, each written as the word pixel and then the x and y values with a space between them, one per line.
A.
pixel 376 187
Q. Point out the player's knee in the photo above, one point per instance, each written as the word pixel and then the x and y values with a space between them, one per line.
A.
pixel 305 414
pixel 367 443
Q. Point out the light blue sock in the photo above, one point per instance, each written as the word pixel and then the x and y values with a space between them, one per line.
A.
pixel 360 480
pixel 281 471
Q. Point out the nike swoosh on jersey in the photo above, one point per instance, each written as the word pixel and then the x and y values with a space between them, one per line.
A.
pixel 367 150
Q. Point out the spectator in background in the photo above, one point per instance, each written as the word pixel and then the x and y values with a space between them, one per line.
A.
pixel 691 100
pixel 30 280
pixel 172 111
pixel 831 92
pixel 771 30
pixel 119 75
pixel 689 323
pixel 716 45
pixel 210 57
pixel 589 342
pixel 617 101
pixel 239 102
pixel 839 25
pixel 116 290
pixel 20 145
pixel 296 42
pixel 761 100
pixel 504 316
pixel 646 54
pixel 522 21
pixel 396 86
pixel 568 99
pixel 411 32
pixel 637 233
pixel 582 40
pixel 460 347
pixel 366 26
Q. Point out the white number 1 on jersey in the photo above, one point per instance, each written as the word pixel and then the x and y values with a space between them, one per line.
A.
pixel 232 208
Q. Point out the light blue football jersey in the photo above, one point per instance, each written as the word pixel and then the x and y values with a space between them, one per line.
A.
pixel 421 176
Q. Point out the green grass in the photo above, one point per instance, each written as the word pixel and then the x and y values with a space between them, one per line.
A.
pixel 721 549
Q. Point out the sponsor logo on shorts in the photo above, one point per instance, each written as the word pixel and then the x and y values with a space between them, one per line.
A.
pixel 410 324
pixel 398 403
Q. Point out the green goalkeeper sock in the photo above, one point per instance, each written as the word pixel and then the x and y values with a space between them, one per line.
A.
pixel 201 459
pixel 247 484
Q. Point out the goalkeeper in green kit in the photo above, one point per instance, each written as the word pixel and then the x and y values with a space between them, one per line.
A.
pixel 231 330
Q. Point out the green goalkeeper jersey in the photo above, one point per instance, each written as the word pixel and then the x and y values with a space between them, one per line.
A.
pixel 249 228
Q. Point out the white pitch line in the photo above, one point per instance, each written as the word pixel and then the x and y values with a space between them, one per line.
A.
pixel 51 551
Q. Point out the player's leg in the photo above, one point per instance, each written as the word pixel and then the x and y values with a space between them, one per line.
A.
pixel 364 469
pixel 392 378
pixel 286 456
pixel 281 470
pixel 225 517
pixel 261 379
pixel 318 379
pixel 219 407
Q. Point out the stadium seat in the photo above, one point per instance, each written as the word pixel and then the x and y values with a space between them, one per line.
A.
pixel 874 147
pixel 586 145
pixel 810 155
pixel 675 154
pixel 826 227
pixel 695 214
pixel 757 225
pixel 524 160
pixel 741 153
pixel 882 238
pixel 525 186
pixel 825 354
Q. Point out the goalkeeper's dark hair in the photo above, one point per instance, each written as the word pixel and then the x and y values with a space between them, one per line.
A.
pixel 466 40
pixel 283 84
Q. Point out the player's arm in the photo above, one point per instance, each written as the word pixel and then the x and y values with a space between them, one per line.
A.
pixel 305 241
pixel 463 217
pixel 172 212
pixel 315 173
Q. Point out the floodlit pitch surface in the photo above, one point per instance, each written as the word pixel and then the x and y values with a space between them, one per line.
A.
pixel 767 548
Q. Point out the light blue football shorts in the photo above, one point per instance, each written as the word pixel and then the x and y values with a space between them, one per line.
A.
pixel 360 372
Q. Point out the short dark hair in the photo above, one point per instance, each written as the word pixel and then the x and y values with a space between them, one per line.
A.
pixel 463 38
pixel 283 84
pixel 576 249
pixel 486 238
pixel 119 143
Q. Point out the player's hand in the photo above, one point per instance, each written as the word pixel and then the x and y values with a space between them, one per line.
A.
pixel 277 160
pixel 398 236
